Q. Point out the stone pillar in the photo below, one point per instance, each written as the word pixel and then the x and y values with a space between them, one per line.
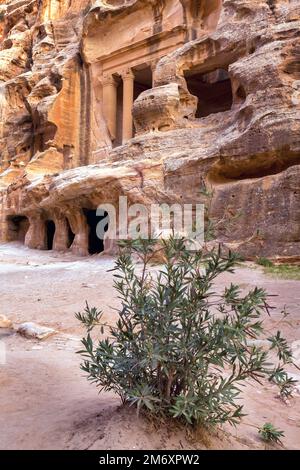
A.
pixel 3 229
pixel 79 227
pixel 128 89
pixel 36 236
pixel 110 86
pixel 61 241
pixel 153 65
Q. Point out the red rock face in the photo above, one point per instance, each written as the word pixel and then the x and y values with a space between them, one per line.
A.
pixel 215 102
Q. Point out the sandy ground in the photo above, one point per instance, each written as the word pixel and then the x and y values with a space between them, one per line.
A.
pixel 45 400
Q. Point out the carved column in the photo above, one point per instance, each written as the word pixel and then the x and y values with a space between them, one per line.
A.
pixel 110 86
pixel 153 65
pixel 36 236
pixel 79 227
pixel 4 230
pixel 60 242
pixel 128 89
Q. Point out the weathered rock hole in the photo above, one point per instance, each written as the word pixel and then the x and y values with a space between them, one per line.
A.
pixel 241 93
pixel 292 65
pixel 7 44
pixel 272 5
pixel 164 128
pixel 18 226
pixel 259 167
pixel 244 12
pixel 213 90
pixel 42 34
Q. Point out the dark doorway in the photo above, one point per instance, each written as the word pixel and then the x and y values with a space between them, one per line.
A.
pixel 17 227
pixel 96 245
pixel 50 229
pixel 71 235
pixel 213 90
pixel 118 140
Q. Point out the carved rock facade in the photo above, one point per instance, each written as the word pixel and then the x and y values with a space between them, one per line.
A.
pixel 154 100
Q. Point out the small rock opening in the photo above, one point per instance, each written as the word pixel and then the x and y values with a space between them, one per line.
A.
pixel 213 90
pixel 252 168
pixel 96 244
pixel 17 228
pixel 50 232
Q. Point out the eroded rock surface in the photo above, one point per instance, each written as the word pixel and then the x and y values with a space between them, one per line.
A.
pixel 154 100
pixel 5 322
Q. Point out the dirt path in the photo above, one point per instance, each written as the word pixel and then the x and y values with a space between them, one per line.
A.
pixel 45 401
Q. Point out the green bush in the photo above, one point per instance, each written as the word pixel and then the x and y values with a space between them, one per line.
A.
pixel 265 262
pixel 179 348
pixel 284 271
pixel 270 434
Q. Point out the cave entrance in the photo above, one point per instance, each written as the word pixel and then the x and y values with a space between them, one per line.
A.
pixel 18 226
pixel 96 245
pixel 71 234
pixel 213 90
pixel 50 232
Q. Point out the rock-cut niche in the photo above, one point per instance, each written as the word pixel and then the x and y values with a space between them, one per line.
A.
pixel 18 226
pixel 213 90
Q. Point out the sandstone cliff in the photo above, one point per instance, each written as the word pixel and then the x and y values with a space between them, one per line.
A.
pixel 214 90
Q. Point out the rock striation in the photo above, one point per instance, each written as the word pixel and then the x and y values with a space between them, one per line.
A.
pixel 154 100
